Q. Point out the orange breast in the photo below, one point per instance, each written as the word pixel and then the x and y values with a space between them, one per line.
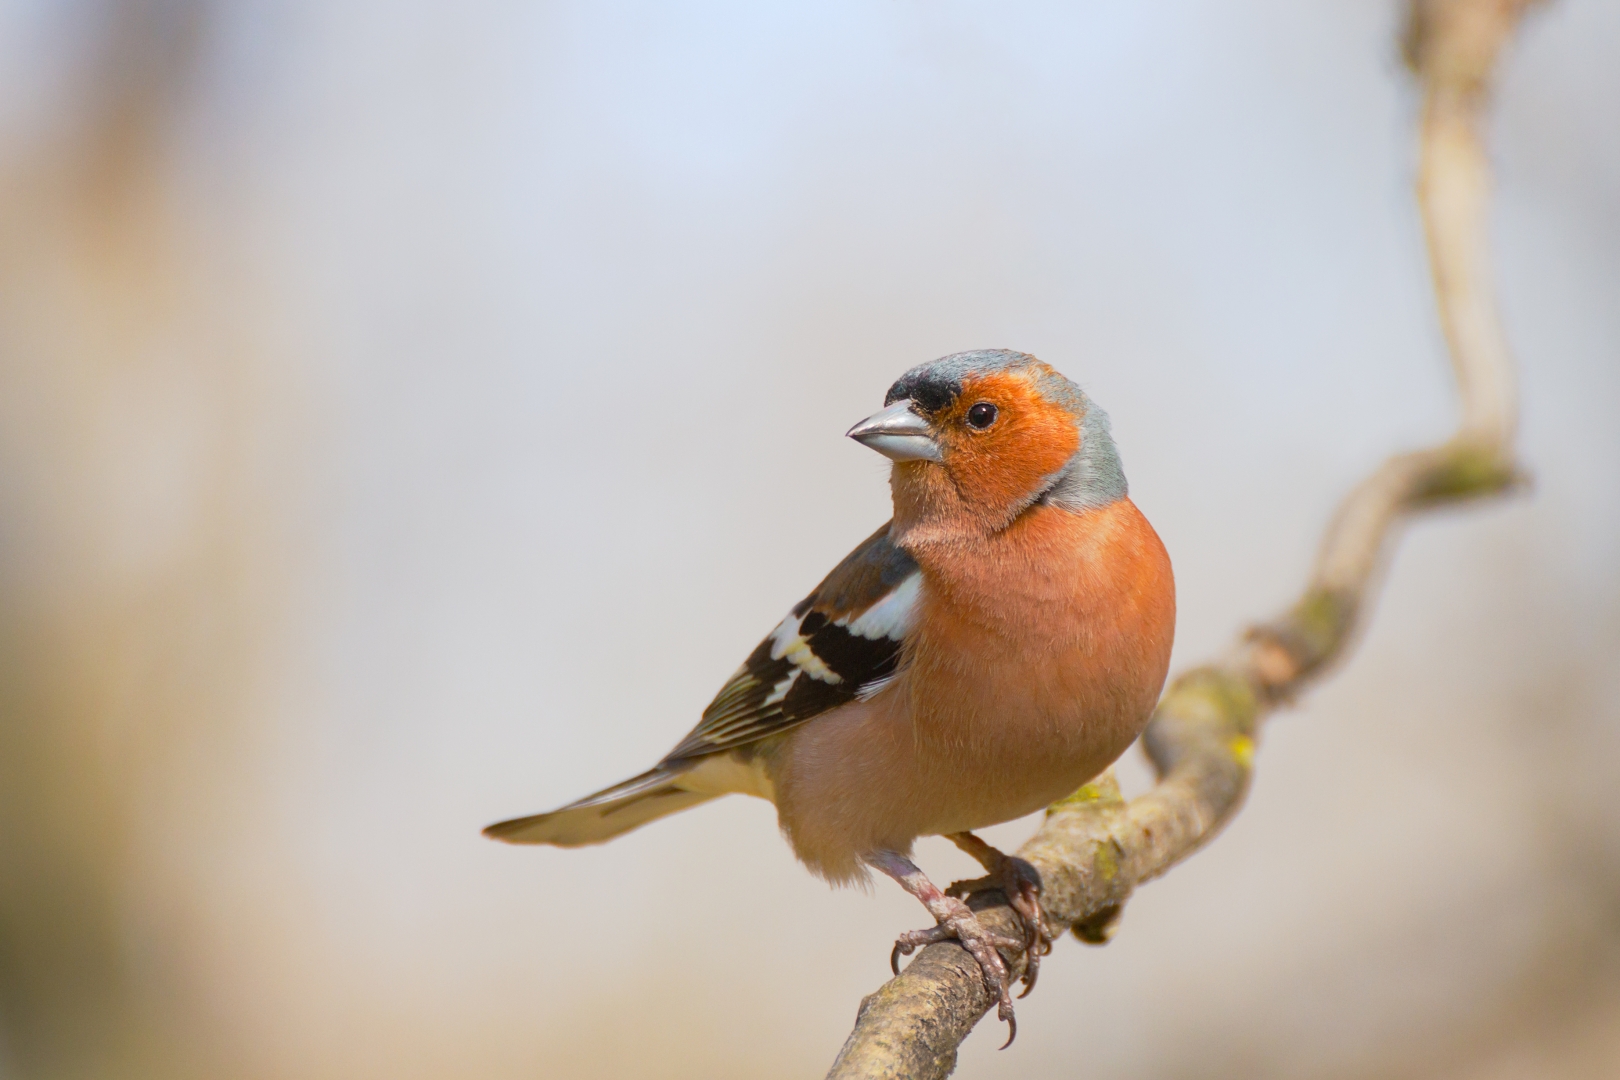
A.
pixel 1042 650
pixel 1033 663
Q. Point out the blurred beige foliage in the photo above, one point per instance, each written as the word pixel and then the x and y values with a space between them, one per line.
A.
pixel 138 551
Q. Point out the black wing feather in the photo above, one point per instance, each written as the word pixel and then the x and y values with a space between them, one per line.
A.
pixel 820 656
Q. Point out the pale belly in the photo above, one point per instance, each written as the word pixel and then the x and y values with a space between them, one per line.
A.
pixel 1005 756
pixel 878 774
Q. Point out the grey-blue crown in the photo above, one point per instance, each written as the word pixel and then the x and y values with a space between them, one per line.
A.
pixel 1093 477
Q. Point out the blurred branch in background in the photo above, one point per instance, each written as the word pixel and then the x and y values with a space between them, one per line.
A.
pixel 124 619
pixel 1095 848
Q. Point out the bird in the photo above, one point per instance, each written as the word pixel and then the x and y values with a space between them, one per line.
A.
pixel 994 646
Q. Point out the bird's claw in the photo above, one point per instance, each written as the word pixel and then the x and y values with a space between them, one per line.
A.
pixel 965 927
pixel 1021 884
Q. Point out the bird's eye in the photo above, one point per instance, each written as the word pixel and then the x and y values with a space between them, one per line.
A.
pixel 982 415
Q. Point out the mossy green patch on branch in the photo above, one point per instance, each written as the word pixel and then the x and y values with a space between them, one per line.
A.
pixel 1467 469
pixel 1103 791
pixel 1318 624
pixel 1105 859
pixel 1213 696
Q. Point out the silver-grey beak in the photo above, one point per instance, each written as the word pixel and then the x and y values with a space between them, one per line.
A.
pixel 898 433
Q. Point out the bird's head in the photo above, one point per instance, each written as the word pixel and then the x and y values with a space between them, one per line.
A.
pixel 979 437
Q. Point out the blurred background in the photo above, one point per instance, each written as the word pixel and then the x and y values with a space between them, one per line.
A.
pixel 411 413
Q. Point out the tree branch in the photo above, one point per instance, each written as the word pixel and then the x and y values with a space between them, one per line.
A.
pixel 1095 848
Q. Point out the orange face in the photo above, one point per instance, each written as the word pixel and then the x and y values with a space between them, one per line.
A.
pixel 1001 442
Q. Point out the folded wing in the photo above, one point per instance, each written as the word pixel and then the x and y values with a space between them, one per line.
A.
pixel 841 642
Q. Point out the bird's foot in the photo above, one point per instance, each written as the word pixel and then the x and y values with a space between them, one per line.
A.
pixel 959 923
pixel 953 919
pixel 1022 885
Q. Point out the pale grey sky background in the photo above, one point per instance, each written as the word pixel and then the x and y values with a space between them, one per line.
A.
pixel 541 325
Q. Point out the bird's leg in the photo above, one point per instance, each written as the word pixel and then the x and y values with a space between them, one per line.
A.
pixel 1022 884
pixel 953 919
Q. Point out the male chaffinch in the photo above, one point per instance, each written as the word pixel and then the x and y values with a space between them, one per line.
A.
pixel 996 645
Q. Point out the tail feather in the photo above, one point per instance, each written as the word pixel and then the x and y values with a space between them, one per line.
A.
pixel 609 813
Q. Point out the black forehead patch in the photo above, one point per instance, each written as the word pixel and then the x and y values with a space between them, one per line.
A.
pixel 931 390
pixel 936 384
